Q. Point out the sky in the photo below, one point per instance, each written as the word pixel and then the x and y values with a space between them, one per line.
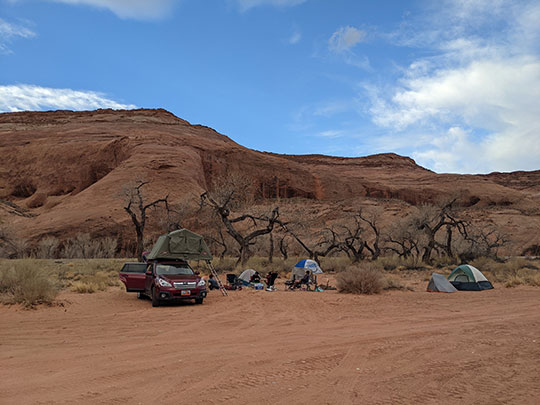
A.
pixel 453 84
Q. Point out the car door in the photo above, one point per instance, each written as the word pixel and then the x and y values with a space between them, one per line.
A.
pixel 149 279
pixel 133 275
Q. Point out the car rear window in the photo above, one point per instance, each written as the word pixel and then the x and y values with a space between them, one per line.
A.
pixel 134 268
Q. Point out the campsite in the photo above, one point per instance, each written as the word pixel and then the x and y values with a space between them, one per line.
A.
pixel 277 347
pixel 269 202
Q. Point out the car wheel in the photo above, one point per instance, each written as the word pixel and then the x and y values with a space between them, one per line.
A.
pixel 198 300
pixel 155 299
pixel 141 296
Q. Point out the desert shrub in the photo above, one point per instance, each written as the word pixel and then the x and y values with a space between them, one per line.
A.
pixel 100 273
pixel 108 247
pixel 84 247
pixel 514 272
pixel 413 263
pixel 21 248
pixel 84 287
pixel 444 261
pixel 389 262
pixel 393 283
pixel 26 282
pixel 47 248
pixel 222 265
pixel 365 279
pixel 334 264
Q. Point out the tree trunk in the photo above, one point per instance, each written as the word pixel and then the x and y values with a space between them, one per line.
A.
pixel 140 244
pixel 271 249
pixel 448 246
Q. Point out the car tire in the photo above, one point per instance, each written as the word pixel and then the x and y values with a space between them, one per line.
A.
pixel 198 301
pixel 155 299
pixel 141 296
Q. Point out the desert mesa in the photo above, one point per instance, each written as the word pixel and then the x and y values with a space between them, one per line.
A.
pixel 62 172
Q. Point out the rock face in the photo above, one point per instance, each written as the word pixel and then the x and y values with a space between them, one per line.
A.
pixel 62 173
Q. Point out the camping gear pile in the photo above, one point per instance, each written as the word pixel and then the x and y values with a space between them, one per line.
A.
pixel 464 278
pixel 251 278
pixel 298 279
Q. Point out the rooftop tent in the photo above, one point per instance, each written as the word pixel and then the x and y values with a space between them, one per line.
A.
pixel 439 283
pixel 469 278
pixel 180 245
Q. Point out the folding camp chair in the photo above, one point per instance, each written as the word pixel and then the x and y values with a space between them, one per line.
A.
pixel 233 282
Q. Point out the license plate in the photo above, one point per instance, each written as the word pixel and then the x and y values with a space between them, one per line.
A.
pixel 186 292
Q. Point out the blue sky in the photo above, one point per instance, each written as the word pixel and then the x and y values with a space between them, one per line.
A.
pixel 453 84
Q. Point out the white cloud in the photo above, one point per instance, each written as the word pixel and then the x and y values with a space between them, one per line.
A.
pixel 477 95
pixel 137 9
pixel 331 133
pixel 295 38
pixel 25 97
pixel 345 38
pixel 245 5
pixel 8 32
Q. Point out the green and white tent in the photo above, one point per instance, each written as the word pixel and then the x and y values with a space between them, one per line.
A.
pixel 180 245
pixel 469 278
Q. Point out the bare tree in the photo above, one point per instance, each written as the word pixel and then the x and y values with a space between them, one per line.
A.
pixel 263 224
pixel 481 241
pixel 403 240
pixel 327 242
pixel 354 240
pixel 431 219
pixel 137 209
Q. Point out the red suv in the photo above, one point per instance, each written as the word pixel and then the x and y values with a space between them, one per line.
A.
pixel 163 281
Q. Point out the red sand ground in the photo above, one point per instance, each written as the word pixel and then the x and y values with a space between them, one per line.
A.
pixel 281 347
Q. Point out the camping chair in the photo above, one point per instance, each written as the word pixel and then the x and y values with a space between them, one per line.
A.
pixel 295 284
pixel 233 281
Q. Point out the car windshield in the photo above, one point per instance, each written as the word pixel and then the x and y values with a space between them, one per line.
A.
pixel 173 269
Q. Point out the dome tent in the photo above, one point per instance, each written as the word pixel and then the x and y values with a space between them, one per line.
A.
pixel 469 278
pixel 245 277
pixel 439 283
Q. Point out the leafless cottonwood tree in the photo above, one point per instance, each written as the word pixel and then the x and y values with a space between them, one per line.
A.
pixel 326 242
pixel 234 193
pixel 429 220
pixel 403 240
pixel 354 236
pixel 137 207
pixel 263 224
pixel 482 241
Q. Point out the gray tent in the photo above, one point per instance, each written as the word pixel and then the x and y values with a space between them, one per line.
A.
pixel 180 245
pixel 439 283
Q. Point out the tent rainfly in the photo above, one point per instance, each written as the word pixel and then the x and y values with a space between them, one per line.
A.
pixel 180 245
pixel 469 278
pixel 246 275
pixel 439 283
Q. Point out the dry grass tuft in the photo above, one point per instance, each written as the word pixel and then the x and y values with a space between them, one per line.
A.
pixel 25 282
pixel 335 264
pixel 84 287
pixel 364 279
pixel 394 283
